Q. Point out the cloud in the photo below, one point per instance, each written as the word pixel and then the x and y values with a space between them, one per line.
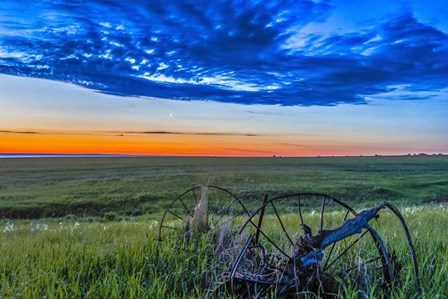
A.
pixel 122 133
pixel 18 132
pixel 228 51
pixel 189 133
pixel 249 151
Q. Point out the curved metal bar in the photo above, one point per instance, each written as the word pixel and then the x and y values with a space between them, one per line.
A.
pixel 382 251
pixel 237 263
pixel 300 210
pixel 260 219
pixel 233 195
pixel 409 240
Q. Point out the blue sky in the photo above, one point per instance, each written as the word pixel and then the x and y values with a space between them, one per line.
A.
pixel 307 61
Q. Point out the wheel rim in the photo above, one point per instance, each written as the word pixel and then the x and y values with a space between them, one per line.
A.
pixel 222 207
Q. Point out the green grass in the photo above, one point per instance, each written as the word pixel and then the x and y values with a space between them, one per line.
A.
pixel 35 188
pixel 56 258
pixel 87 227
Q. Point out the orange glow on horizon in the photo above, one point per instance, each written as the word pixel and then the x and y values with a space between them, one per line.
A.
pixel 138 144
pixel 169 144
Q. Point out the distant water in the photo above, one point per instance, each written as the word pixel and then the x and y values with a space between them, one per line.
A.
pixel 15 156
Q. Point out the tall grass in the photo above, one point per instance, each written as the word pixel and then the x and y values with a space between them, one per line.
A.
pixel 53 258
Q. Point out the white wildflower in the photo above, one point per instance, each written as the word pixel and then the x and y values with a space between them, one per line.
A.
pixel 8 227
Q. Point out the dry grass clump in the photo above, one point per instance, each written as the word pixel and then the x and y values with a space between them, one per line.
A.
pixel 200 218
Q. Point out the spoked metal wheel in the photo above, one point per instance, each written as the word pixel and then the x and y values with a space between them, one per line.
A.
pixel 284 232
pixel 202 208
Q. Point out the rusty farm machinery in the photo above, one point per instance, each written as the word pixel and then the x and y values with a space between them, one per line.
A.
pixel 294 245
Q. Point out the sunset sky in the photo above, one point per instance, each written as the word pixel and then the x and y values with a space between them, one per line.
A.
pixel 238 78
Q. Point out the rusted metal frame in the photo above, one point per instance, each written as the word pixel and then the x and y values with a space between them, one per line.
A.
pixel 347 207
pixel 349 227
pixel 334 244
pixel 236 265
pixel 265 262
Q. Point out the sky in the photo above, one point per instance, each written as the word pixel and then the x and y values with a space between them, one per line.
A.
pixel 224 78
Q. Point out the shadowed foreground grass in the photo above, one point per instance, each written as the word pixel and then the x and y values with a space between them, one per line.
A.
pixel 74 259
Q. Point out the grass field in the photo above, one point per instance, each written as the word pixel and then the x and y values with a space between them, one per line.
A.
pixel 89 225
pixel 35 188
pixel 53 258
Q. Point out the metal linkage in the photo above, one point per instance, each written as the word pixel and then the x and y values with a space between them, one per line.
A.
pixel 317 263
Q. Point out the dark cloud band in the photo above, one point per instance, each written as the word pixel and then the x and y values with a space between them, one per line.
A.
pixel 190 133
pixel 122 133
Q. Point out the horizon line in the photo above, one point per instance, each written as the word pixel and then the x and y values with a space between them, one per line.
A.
pixel 111 155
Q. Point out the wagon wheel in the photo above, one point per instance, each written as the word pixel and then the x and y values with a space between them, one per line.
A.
pixel 278 224
pixel 202 208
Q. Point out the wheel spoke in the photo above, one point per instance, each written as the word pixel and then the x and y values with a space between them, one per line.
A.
pixel 186 209
pixel 322 209
pixel 228 207
pixel 233 217
pixel 260 219
pixel 175 215
pixel 345 216
pixel 281 223
pixel 269 240
pixel 367 262
pixel 300 210
pixel 219 199
pixel 170 227
pixel 346 249
pixel 194 194
pixel 217 207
